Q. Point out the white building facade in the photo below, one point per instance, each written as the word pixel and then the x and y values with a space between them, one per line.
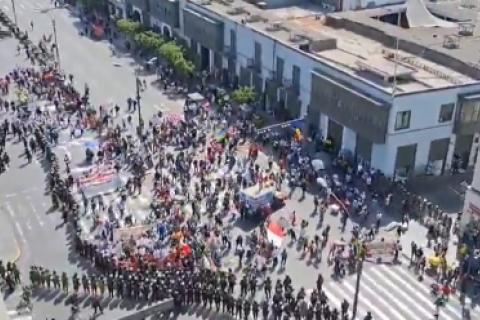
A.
pixel 470 222
pixel 401 133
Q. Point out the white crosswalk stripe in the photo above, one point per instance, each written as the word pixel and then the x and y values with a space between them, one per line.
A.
pixel 28 217
pixel 393 293
pixel 37 215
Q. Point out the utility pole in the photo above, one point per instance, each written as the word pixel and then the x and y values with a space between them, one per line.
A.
pixel 359 277
pixel 140 120
pixel 14 12
pixel 56 41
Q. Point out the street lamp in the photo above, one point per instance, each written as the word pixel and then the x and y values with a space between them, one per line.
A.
pixel 56 41
pixel 140 120
pixel 14 12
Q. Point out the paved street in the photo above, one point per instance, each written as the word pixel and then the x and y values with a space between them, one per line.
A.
pixel 393 292
pixel 111 77
pixel 24 208
pixel 390 292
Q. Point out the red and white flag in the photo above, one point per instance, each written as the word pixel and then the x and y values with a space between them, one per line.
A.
pixel 275 234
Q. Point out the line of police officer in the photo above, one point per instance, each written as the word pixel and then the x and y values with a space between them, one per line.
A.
pixel 201 287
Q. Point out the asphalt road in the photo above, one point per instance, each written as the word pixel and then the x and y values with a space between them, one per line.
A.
pixel 390 292
pixel 24 208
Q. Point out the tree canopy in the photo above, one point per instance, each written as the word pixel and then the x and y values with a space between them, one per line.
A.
pixel 149 40
pixel 244 95
pixel 128 27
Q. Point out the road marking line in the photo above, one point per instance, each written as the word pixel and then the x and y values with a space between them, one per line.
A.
pixel 20 232
pixel 27 220
pixel 331 296
pixel 407 297
pixel 372 293
pixel 11 195
pixel 395 301
pixel 35 212
pixel 10 210
pixel 336 300
pixel 406 284
pixel 451 308
pixel 21 6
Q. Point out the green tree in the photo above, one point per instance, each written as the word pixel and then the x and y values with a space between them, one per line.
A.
pixel 244 95
pixel 171 52
pixel 149 40
pixel 184 66
pixel 128 27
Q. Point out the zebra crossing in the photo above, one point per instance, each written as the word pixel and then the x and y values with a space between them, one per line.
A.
pixel 28 216
pixel 22 7
pixel 392 293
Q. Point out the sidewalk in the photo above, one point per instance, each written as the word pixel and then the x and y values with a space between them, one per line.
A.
pixel 9 248
pixel 418 233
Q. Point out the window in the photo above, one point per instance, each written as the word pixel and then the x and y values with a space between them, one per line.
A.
pixel 258 56
pixel 403 120
pixel 279 71
pixel 233 40
pixel 296 78
pixel 446 112
pixel 470 111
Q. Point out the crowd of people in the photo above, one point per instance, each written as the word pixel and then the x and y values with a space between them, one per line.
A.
pixel 198 178
pixel 179 178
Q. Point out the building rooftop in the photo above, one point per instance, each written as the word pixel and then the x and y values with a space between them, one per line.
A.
pixel 361 44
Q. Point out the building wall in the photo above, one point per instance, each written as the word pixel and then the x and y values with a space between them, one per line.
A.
pixel 424 127
pixel 271 49
pixel 425 110
pixel 471 207
pixel 425 107
pixel 476 176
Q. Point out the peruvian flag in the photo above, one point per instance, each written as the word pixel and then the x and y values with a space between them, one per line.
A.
pixel 275 234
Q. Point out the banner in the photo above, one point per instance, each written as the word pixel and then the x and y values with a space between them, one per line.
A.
pixel 97 177
pixel 380 250
pixel 125 234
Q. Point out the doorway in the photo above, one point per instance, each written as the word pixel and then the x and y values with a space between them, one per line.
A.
pixel 204 58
